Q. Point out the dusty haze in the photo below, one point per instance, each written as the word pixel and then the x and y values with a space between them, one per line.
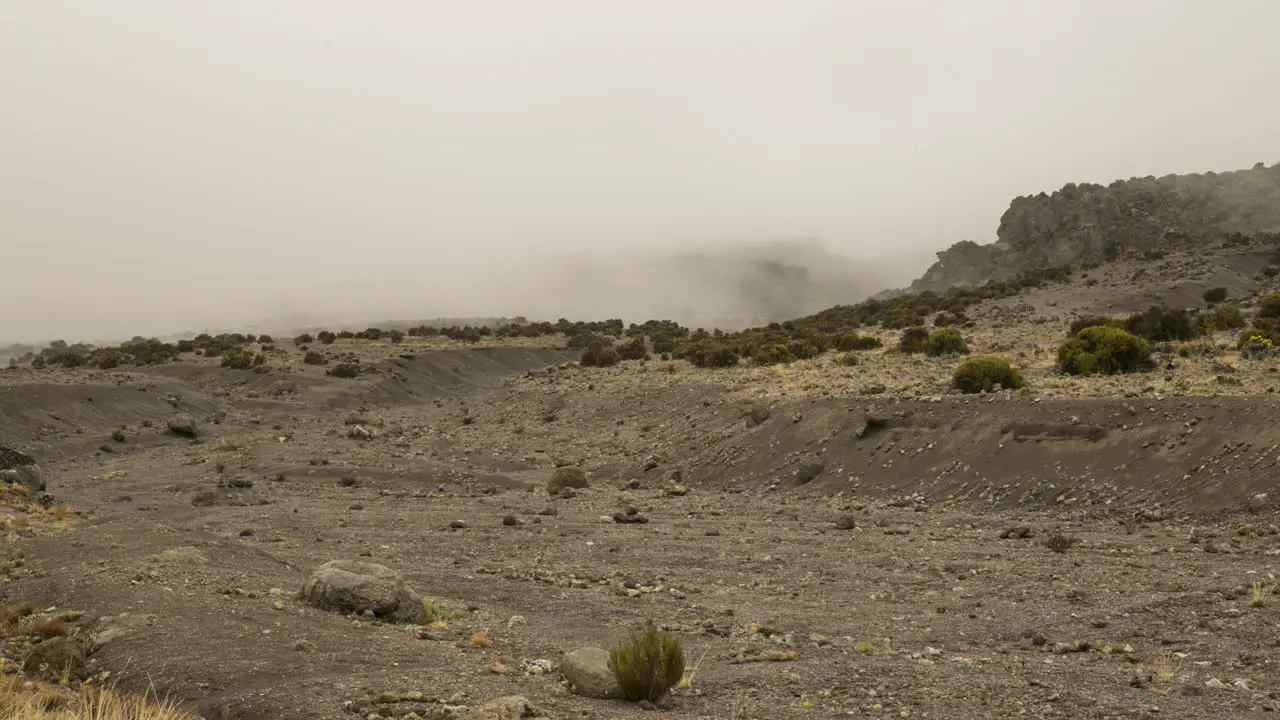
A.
pixel 169 166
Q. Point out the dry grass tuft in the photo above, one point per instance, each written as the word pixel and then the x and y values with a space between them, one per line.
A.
pixel 25 700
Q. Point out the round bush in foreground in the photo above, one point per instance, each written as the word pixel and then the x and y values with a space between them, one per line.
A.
pixel 984 373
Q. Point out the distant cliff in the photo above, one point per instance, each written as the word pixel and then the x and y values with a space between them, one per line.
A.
pixel 1092 223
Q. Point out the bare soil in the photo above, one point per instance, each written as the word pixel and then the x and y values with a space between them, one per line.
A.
pixel 846 541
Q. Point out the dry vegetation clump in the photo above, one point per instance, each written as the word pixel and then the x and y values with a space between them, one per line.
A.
pixel 648 665
pixel 29 700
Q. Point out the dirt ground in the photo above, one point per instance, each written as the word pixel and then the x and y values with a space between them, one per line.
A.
pixel 829 541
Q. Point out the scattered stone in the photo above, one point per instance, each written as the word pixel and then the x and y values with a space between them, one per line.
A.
pixel 510 707
pixel 588 673
pixel 846 522
pixel 1020 532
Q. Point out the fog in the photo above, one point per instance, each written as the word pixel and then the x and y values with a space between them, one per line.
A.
pixel 169 166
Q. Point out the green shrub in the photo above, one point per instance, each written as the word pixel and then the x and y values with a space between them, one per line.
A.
pixel 314 357
pixel 1226 317
pixel 1269 306
pixel 648 665
pixel 633 349
pixel 238 360
pixel 850 341
pixel 326 337
pixel 1215 295
pixel 303 339
pixel 1163 324
pixel 984 372
pixel 849 359
pixel 599 356
pixel 711 354
pixel 946 341
pixel 913 340
pixel 1093 321
pixel 1105 350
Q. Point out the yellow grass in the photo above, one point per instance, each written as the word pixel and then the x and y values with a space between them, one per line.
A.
pixel 20 700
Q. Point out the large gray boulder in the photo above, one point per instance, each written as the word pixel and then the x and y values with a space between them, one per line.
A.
pixel 567 477
pixel 183 425
pixel 18 468
pixel 587 670
pixel 355 586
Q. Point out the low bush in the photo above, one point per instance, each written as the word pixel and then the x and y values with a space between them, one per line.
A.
pixel 1104 350
pixel 1093 321
pixel 1226 317
pixel 913 340
pixel 648 665
pixel 946 341
pixel 985 373
pixel 1215 295
pixel 599 355
pixel 711 354
pixel 1163 324
pixel 326 337
pixel 314 357
pixel 1269 306
pixel 303 339
pixel 850 341
pixel 633 349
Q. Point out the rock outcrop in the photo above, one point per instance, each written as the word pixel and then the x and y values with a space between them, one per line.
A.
pixel 17 468
pixel 1090 223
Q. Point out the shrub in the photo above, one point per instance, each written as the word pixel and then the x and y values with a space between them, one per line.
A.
pixel 1163 324
pixel 948 319
pixel 648 665
pixel 1256 346
pixel 1093 321
pixel 326 337
pixel 946 341
pixel 303 339
pixel 913 340
pixel 314 357
pixel 238 360
pixel 849 359
pixel 395 336
pixel 1269 307
pixel 1103 350
pixel 847 342
pixel 984 373
pixel 633 349
pixel 599 356
pixel 268 340
pixel 1226 317
pixel 1215 295
pixel 711 354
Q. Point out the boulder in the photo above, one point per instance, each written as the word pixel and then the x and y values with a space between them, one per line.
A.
pixel 354 586
pixel 567 477
pixel 587 670
pixel 184 425
pixel 17 468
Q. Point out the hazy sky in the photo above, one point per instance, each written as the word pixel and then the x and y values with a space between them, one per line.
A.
pixel 174 164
